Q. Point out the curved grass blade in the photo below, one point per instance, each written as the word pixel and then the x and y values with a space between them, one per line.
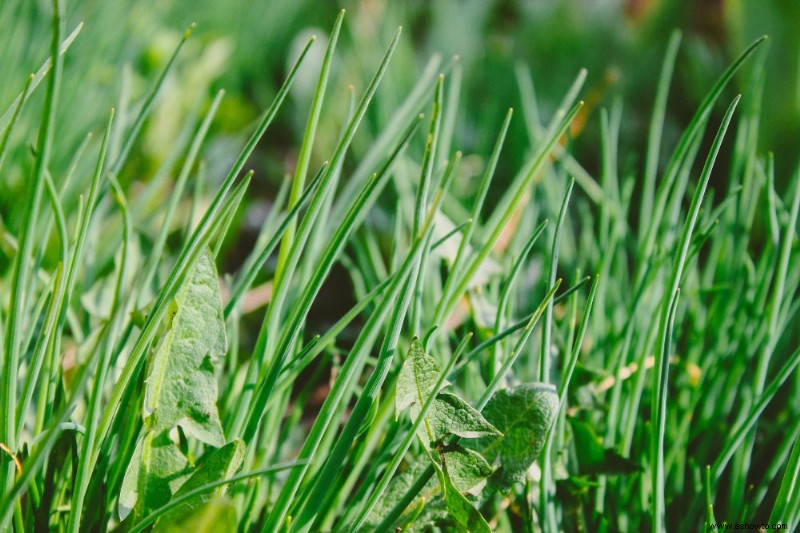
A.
pixel 326 479
pixel 661 367
pixel 21 273
pixel 7 133
pixel 123 151
pixel 697 123
pixel 657 127
pixel 177 193
pixel 304 156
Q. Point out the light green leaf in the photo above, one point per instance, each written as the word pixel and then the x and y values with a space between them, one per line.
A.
pixel 467 469
pixel 157 469
pixel 417 378
pixel 181 390
pixel 221 464
pixel 181 387
pixel 219 514
pixel 450 415
pixel 524 415
pixel 130 483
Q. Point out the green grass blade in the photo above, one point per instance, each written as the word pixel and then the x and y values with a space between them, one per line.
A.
pixel 544 362
pixel 789 493
pixel 49 331
pixel 477 205
pixel 267 382
pixel 31 467
pixel 388 137
pixel 661 368
pixel 7 133
pixel 739 433
pixel 657 128
pixel 304 157
pixel 697 123
pixel 269 330
pixel 261 253
pixel 177 192
pixel 508 284
pixel 36 79
pixel 336 459
pixel 508 206
pixel 21 270
pixel 133 134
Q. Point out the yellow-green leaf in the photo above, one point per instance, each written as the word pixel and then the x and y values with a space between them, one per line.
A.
pixel 157 469
pixel 221 464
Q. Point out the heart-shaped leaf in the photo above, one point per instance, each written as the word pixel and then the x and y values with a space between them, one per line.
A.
pixel 524 415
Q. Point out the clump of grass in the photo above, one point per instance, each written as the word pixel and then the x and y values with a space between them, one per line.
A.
pixel 468 387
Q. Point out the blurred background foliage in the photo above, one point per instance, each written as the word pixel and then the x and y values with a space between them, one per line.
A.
pixel 244 46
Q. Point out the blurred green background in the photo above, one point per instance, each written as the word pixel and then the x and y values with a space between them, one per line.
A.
pixel 244 46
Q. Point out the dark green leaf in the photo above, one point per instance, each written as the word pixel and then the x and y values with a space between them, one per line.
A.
pixel 593 458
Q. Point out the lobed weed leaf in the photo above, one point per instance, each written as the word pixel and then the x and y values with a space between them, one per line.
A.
pixel 461 510
pixel 181 388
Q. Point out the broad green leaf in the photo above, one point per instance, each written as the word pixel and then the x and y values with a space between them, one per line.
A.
pixel 461 510
pixel 593 458
pixel 398 487
pixel 181 388
pixel 417 378
pixel 222 464
pixel 524 415
pixel 467 469
pixel 450 415
pixel 219 514
pixel 157 469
